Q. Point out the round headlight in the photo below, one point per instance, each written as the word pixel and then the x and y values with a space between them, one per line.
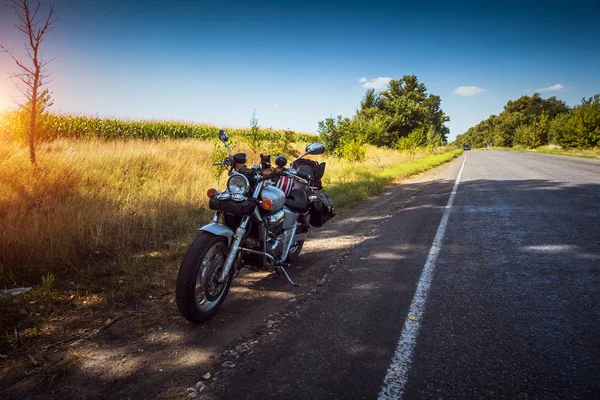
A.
pixel 238 184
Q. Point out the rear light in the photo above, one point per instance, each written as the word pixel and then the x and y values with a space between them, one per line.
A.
pixel 266 204
pixel 211 193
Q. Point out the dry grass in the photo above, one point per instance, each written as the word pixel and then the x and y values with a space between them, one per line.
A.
pixel 96 199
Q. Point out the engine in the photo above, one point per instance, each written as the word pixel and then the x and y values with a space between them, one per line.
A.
pixel 275 245
pixel 275 235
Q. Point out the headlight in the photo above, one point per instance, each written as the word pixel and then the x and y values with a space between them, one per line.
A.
pixel 238 184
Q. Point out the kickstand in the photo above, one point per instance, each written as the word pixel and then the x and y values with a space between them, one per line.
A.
pixel 287 276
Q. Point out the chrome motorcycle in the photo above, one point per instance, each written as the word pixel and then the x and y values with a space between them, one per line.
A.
pixel 261 221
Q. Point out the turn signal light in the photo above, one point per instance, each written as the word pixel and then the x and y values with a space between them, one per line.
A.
pixel 211 193
pixel 266 204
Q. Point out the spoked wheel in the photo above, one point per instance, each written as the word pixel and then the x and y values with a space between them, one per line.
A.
pixel 199 294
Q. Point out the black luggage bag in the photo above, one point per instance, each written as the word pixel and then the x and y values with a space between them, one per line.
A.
pixel 321 210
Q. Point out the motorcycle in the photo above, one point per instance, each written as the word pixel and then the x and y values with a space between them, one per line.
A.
pixel 261 220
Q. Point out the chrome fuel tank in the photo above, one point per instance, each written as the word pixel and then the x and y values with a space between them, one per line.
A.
pixel 275 195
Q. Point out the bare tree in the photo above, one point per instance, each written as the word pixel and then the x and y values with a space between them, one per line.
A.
pixel 31 75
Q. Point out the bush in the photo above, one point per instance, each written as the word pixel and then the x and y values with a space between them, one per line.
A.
pixel 522 136
pixel 331 132
pixel 580 128
pixel 282 145
pixel 353 151
pixel 417 138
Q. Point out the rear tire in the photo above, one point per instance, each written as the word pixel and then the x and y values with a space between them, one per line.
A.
pixel 197 293
pixel 295 250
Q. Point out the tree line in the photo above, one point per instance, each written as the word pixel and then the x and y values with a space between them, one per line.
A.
pixel 402 116
pixel 532 121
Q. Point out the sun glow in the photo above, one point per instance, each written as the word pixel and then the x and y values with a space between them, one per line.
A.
pixel 5 100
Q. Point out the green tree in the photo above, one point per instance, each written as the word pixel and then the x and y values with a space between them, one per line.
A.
pixel 389 117
pixel 524 122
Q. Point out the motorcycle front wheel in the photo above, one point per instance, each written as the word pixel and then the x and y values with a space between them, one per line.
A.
pixel 198 293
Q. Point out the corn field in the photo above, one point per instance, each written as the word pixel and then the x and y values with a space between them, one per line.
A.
pixel 57 126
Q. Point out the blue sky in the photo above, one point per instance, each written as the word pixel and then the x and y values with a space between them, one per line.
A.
pixel 299 62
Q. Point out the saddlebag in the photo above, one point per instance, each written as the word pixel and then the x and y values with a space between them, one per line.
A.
pixel 245 207
pixel 321 210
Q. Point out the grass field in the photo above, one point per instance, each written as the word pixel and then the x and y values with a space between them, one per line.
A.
pixel 100 222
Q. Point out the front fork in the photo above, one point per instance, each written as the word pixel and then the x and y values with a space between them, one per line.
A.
pixel 240 233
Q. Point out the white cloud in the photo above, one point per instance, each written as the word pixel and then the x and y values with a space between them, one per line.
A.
pixel 276 105
pixel 468 90
pixel 554 88
pixel 375 83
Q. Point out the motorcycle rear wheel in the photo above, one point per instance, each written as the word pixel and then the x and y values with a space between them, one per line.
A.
pixel 198 293
pixel 295 250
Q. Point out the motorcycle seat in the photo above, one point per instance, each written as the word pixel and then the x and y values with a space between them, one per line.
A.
pixel 297 200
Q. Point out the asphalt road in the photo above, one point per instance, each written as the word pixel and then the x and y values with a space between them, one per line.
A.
pixel 512 309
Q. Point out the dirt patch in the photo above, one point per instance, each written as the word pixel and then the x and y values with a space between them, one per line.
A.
pixel 145 350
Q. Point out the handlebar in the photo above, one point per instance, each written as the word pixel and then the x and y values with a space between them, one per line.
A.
pixel 299 176
pixel 226 162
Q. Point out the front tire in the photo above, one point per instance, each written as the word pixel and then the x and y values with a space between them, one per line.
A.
pixel 198 293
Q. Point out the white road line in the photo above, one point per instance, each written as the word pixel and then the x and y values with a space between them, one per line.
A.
pixel 395 379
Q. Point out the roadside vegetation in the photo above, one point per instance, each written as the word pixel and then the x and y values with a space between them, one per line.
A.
pixel 587 153
pixel 549 125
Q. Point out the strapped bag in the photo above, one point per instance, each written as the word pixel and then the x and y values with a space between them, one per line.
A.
pixel 312 168
pixel 321 210
pixel 229 206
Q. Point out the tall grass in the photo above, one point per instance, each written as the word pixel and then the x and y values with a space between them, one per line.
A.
pixel 92 200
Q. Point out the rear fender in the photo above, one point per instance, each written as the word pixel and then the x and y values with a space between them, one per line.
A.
pixel 219 230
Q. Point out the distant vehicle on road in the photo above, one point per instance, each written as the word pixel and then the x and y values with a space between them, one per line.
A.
pixel 467 147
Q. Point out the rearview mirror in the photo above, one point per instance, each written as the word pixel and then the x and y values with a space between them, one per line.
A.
pixel 315 149
pixel 224 136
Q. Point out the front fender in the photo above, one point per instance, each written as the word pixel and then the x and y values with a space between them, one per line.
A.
pixel 219 230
